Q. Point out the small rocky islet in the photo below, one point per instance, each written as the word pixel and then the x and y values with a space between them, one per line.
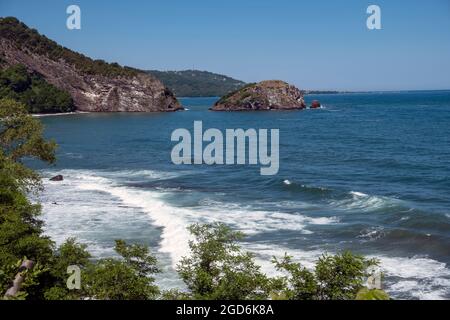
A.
pixel 265 95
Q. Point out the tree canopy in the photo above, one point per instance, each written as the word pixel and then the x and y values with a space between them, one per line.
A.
pixel 26 38
pixel 33 91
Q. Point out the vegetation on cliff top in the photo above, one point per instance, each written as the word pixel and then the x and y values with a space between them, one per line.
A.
pixel 194 83
pixel 33 91
pixel 242 91
pixel 30 40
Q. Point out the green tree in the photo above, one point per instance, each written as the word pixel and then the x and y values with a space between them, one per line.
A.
pixel 126 278
pixel 15 79
pixel 341 276
pixel 21 136
pixel 30 40
pixel 129 278
pixel 335 277
pixel 20 228
pixel 217 267
pixel 299 284
pixel 137 257
pixel 33 91
pixel 68 254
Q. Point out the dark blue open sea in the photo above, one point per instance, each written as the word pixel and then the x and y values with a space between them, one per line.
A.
pixel 368 172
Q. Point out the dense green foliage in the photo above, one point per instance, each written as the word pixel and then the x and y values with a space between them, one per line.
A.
pixel 20 229
pixel 29 39
pixel 338 277
pixel 21 233
pixel 33 91
pixel 128 278
pixel 373 294
pixel 194 83
pixel 21 136
pixel 216 268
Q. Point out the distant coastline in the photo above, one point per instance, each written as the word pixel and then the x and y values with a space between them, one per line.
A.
pixel 330 92
pixel 311 92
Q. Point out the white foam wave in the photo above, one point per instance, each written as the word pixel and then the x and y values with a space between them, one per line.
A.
pixel 358 194
pixel 414 267
pixel 94 206
pixel 421 277
pixel 417 277
pixel 86 198
pixel 372 233
pixel 265 252
pixel 294 205
pixel 251 221
pixel 364 202
pixel 73 155
pixel 141 174
pixel 173 220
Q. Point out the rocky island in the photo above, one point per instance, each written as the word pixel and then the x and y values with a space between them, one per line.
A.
pixel 94 85
pixel 265 95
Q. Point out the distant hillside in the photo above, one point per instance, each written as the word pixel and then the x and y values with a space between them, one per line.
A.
pixel 194 83
pixel 322 92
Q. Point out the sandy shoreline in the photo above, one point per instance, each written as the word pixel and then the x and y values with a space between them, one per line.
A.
pixel 58 114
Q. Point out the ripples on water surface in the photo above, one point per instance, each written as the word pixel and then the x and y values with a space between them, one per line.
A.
pixel 368 172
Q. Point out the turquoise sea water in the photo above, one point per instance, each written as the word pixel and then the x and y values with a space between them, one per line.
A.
pixel 368 172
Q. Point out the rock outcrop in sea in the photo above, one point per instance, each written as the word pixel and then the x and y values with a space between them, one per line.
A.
pixel 95 86
pixel 266 95
pixel 315 104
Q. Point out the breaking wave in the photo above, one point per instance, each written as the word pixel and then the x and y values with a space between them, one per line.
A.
pixel 364 202
pixel 173 220
pixel 98 207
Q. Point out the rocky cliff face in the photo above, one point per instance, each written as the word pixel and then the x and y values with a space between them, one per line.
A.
pixel 266 95
pixel 91 91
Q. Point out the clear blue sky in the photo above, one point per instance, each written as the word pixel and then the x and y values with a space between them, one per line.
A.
pixel 312 44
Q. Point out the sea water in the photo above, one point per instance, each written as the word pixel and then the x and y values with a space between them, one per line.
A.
pixel 368 172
